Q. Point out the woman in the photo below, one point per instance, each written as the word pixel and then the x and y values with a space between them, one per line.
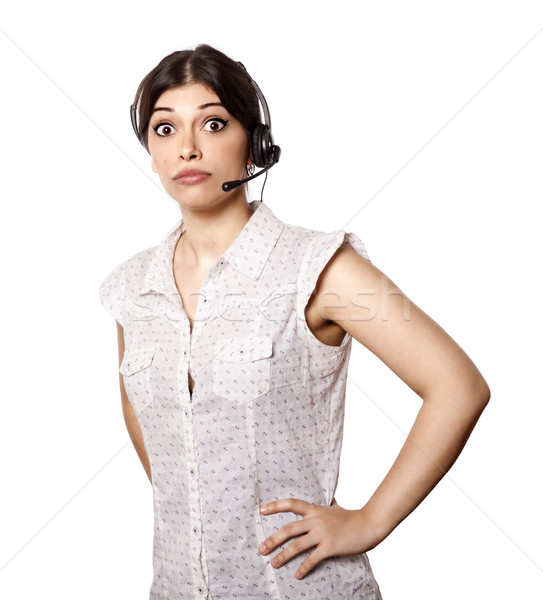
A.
pixel 234 340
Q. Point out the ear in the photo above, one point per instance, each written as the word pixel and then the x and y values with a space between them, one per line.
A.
pixel 153 165
pixel 250 157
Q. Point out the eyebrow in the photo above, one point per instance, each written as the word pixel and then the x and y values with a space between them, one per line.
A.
pixel 201 107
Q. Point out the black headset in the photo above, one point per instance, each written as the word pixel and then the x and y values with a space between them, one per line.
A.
pixel 262 146
pixel 264 152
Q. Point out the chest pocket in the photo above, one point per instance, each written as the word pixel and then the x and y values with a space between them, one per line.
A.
pixel 135 368
pixel 241 368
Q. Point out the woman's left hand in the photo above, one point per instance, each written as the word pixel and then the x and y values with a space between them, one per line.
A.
pixel 332 530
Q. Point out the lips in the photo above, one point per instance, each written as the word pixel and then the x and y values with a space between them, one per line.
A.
pixel 188 176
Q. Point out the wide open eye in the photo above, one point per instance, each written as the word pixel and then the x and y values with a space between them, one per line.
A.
pixel 164 129
pixel 215 124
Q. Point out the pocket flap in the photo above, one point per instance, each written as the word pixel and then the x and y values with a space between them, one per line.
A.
pixel 242 350
pixel 136 359
pixel 289 289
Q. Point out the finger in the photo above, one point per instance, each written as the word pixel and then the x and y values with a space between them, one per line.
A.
pixel 299 507
pixel 310 563
pixel 283 534
pixel 300 544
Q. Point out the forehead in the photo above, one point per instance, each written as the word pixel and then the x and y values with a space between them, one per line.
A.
pixel 186 97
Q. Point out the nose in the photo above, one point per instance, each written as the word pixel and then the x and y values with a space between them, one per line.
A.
pixel 189 149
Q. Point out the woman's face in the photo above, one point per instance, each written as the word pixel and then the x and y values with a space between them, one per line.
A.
pixel 196 145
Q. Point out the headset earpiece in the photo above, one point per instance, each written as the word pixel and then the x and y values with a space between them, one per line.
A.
pixel 261 145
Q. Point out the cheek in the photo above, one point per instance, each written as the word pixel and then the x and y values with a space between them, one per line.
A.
pixel 236 151
pixel 235 145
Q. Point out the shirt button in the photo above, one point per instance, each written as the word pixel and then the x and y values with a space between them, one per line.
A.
pixel 194 530
pixel 191 471
pixel 200 590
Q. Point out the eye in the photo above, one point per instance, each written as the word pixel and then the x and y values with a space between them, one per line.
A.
pixel 164 129
pixel 215 124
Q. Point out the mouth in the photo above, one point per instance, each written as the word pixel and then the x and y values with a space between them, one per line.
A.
pixel 188 176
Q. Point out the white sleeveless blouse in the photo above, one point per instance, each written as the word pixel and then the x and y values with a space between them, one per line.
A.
pixel 264 421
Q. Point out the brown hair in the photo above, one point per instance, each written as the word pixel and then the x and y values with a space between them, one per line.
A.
pixel 204 65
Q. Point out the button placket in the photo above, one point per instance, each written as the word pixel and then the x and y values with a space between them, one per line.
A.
pixel 195 527
pixel 195 545
pixel 183 366
pixel 206 305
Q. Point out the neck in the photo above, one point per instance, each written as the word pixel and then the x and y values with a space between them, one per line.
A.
pixel 208 234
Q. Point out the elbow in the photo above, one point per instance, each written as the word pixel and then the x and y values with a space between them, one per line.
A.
pixel 480 394
pixel 469 394
pixel 487 394
pixel 474 389
pixel 483 390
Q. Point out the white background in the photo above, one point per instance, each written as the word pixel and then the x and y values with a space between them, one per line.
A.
pixel 416 125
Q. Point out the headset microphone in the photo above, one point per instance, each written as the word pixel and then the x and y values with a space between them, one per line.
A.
pixel 228 186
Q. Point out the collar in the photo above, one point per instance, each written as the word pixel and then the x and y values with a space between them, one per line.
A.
pixel 247 254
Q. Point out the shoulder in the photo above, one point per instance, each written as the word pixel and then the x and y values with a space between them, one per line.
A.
pixel 315 245
pixel 117 285
pixel 347 267
pixel 347 281
pixel 322 254
pixel 131 269
pixel 303 237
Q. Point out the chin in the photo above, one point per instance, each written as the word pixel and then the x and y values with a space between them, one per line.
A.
pixel 199 201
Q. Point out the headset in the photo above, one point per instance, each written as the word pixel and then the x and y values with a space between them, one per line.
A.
pixel 264 152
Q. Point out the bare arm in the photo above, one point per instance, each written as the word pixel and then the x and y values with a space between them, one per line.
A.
pixel 130 418
pixel 431 363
